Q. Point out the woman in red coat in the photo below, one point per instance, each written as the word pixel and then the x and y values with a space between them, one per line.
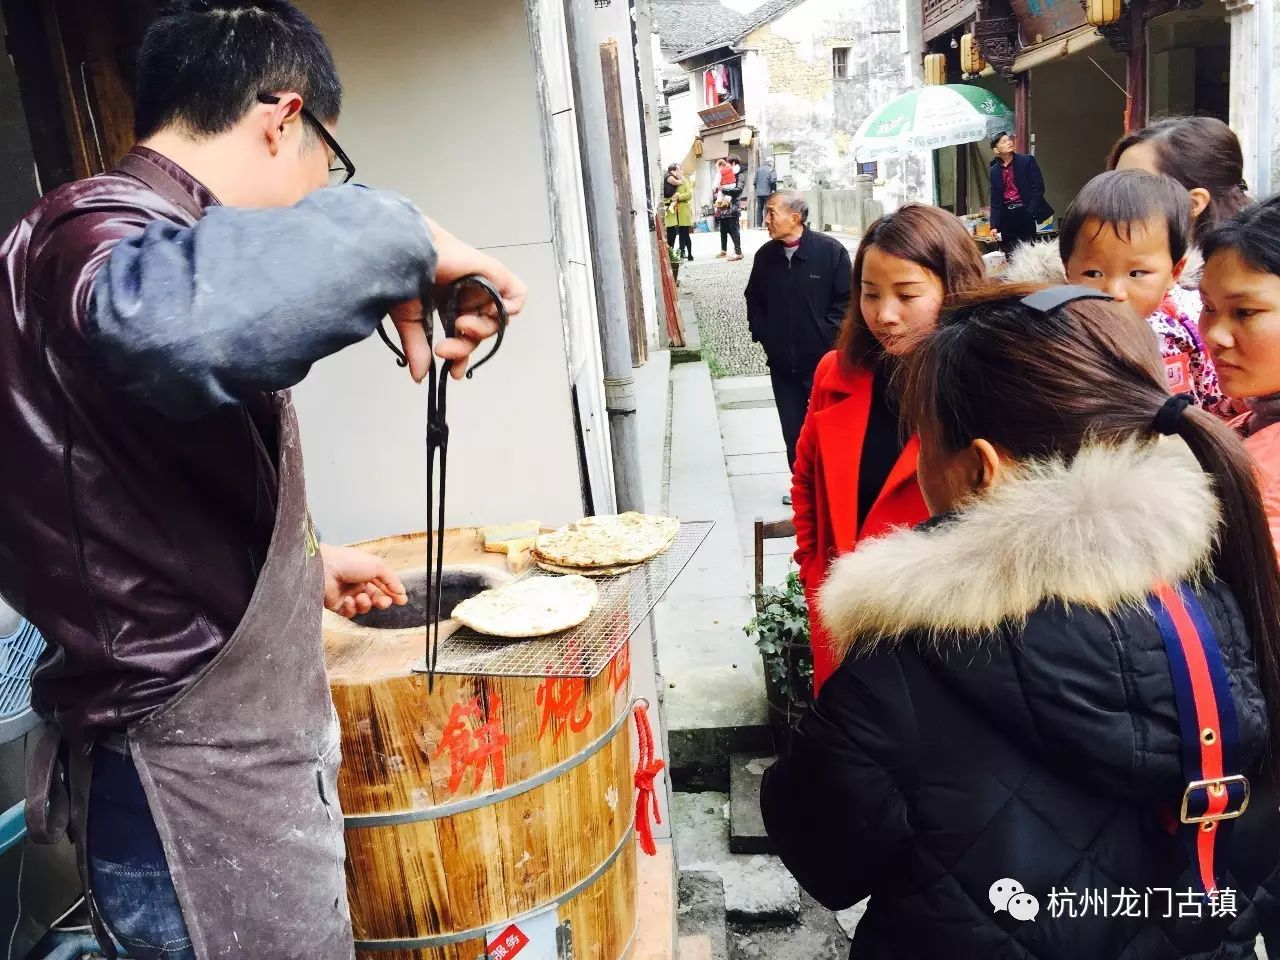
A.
pixel 855 473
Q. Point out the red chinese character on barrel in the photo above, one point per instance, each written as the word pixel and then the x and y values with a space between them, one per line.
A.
pixel 472 748
pixel 562 706
pixel 620 668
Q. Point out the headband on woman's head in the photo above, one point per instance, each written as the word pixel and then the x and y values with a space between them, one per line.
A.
pixel 1045 302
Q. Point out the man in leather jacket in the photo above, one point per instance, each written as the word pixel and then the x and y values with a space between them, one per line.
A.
pixel 150 318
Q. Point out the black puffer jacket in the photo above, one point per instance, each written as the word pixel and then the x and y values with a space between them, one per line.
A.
pixel 1007 712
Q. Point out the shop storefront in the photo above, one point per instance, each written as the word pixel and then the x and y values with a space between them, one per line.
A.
pixel 1076 88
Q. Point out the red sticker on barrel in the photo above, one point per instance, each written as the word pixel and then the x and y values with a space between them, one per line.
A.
pixel 507 944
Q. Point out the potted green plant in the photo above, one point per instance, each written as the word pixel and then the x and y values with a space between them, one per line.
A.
pixel 781 631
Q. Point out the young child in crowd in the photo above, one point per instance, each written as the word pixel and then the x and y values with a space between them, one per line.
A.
pixel 727 178
pixel 1127 234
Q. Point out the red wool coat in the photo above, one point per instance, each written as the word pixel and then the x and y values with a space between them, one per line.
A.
pixel 824 488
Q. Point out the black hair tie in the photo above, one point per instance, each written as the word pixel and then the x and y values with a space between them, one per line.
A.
pixel 1169 416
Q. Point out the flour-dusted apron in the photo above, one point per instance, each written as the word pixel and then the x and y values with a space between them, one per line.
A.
pixel 241 768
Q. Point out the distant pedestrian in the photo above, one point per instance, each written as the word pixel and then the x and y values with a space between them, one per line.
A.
pixel 725 177
pixel 1017 195
pixel 796 300
pixel 766 186
pixel 729 211
pixel 679 212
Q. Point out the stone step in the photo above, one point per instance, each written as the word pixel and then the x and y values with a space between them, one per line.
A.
pixel 701 916
pixel 756 888
pixel 746 824
pixel 695 948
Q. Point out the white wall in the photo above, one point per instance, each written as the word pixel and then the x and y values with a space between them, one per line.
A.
pixel 1077 114
pixel 803 105
pixel 684 128
pixel 441 105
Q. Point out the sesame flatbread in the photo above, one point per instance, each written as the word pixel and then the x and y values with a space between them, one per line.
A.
pixel 586 571
pixel 609 541
pixel 534 607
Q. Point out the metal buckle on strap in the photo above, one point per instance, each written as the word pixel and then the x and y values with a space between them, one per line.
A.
pixel 1215 787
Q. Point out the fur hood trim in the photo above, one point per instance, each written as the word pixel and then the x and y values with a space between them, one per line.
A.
pixel 1098 532
pixel 1037 262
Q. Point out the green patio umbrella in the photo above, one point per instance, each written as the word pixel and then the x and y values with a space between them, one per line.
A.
pixel 936 116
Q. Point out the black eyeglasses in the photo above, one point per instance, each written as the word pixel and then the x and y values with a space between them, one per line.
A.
pixel 343 169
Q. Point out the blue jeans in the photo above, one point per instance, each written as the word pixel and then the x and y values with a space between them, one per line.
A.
pixel 127 869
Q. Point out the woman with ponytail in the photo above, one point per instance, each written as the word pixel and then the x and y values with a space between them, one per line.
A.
pixel 1064 686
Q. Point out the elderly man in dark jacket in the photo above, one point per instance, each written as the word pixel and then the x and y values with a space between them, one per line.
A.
pixel 1017 195
pixel 797 296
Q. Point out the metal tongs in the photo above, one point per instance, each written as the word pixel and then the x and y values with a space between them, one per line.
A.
pixel 438 442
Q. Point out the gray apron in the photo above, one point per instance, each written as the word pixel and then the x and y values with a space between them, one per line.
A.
pixel 240 769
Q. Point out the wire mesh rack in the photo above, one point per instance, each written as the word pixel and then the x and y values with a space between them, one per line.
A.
pixel 19 652
pixel 584 651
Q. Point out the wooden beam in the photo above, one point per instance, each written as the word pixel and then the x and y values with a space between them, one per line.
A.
pixel 611 74
pixel 1135 114
pixel 27 40
pixel 1022 112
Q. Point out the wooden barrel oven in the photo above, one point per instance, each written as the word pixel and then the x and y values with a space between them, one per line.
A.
pixel 488 812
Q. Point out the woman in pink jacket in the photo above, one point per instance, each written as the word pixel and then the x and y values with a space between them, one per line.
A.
pixel 1241 329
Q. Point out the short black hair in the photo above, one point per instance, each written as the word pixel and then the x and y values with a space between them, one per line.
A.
pixel 998 137
pixel 203 64
pixel 1253 233
pixel 1122 198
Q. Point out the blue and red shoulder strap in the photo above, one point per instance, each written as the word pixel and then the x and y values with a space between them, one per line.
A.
pixel 1217 791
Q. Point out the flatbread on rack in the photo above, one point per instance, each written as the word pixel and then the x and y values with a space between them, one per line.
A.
pixel 608 541
pixel 533 607
pixel 587 571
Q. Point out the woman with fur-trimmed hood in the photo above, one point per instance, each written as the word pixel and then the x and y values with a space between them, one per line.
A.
pixel 1062 687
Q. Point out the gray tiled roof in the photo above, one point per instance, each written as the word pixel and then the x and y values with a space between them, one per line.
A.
pixel 700 25
pixel 693 24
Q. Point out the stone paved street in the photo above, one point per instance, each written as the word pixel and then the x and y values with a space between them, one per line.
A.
pixel 717 289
